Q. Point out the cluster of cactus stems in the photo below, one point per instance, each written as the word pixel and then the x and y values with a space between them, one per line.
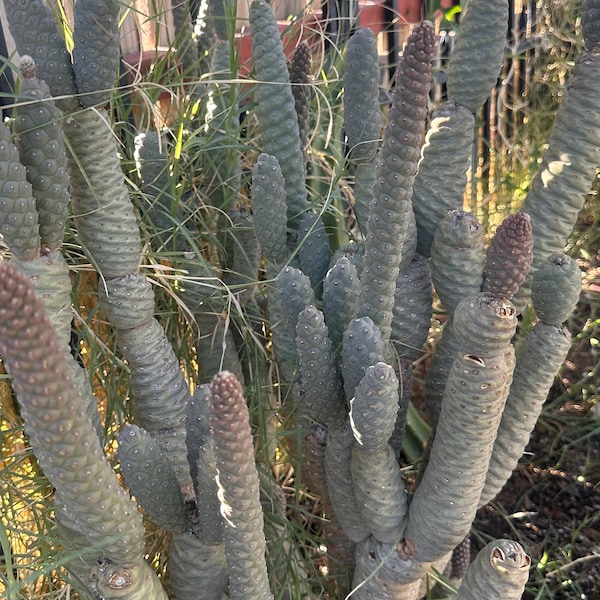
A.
pixel 344 324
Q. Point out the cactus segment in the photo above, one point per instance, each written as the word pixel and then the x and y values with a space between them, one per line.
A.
pixel 444 505
pixel 300 66
pixel 499 572
pixel 556 288
pixel 135 582
pixel 210 526
pixel 19 226
pixel 340 291
pixel 338 458
pixel 187 50
pixel 96 53
pixel 268 208
pixel 590 23
pixel 568 167
pixel 484 324
pixel 238 490
pixel 151 479
pixel 413 308
pixel 197 426
pixel 61 434
pixel 36 34
pixel 390 209
pixel 362 347
pixel 478 53
pixel 457 258
pixel 103 213
pixel 538 361
pixel 320 380
pixel 39 139
pixel 160 393
pixel 440 183
pixel 127 301
pixel 364 184
pixel 509 256
pixel 195 565
pixel 362 114
pixel 275 107
pixel 313 250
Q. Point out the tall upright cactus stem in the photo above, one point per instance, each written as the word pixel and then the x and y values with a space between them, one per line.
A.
pixel 39 138
pixel 61 434
pixel 313 250
pixel 102 210
pixel 36 34
pixel 440 183
pixel 275 107
pixel 300 66
pixel 391 208
pixel 238 490
pixel 477 56
pixel 446 500
pixel 568 167
pixel 96 52
pixel 590 23
pixel 499 572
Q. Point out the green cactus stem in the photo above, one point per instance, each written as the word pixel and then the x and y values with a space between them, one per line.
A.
pixel 440 183
pixel 187 51
pixel 313 250
pixel 300 66
pixel 238 490
pixel 275 107
pixel 509 256
pixel 391 208
pixel 477 56
pixel 19 225
pixel 102 211
pixel 137 582
pixel 362 114
pixel 60 432
pixel 39 139
pixel 36 34
pixel 590 23
pixel 269 208
pixel 96 53
pixel 499 572
pixel 556 287
pixel 568 167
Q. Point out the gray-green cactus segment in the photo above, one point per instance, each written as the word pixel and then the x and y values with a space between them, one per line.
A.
pixel 210 525
pixel 314 252
pixel 508 257
pixel 269 208
pixel 19 225
pixel 338 458
pixel 127 301
pixel 362 112
pixel 340 291
pixel 362 347
pixel 135 582
pixel 102 210
pixel 568 167
pixel 196 566
pixel 440 183
pixel 239 490
pixel 364 182
pixel 457 258
pixel 320 381
pixel 413 308
pixel 36 34
pixel 555 290
pixel 391 209
pixel 538 361
pixel 151 479
pixel 96 52
pixel 499 572
pixel 160 393
pixel 300 66
pixel 445 503
pixel 61 434
pixel 197 425
pixel 187 51
pixel 39 139
pixel 376 478
pixel 477 56
pixel 275 107
pixel 590 23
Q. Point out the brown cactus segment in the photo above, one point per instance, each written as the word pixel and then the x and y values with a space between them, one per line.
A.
pixel 509 256
pixel 238 489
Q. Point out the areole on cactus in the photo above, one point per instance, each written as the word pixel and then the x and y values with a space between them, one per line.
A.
pixel 338 328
